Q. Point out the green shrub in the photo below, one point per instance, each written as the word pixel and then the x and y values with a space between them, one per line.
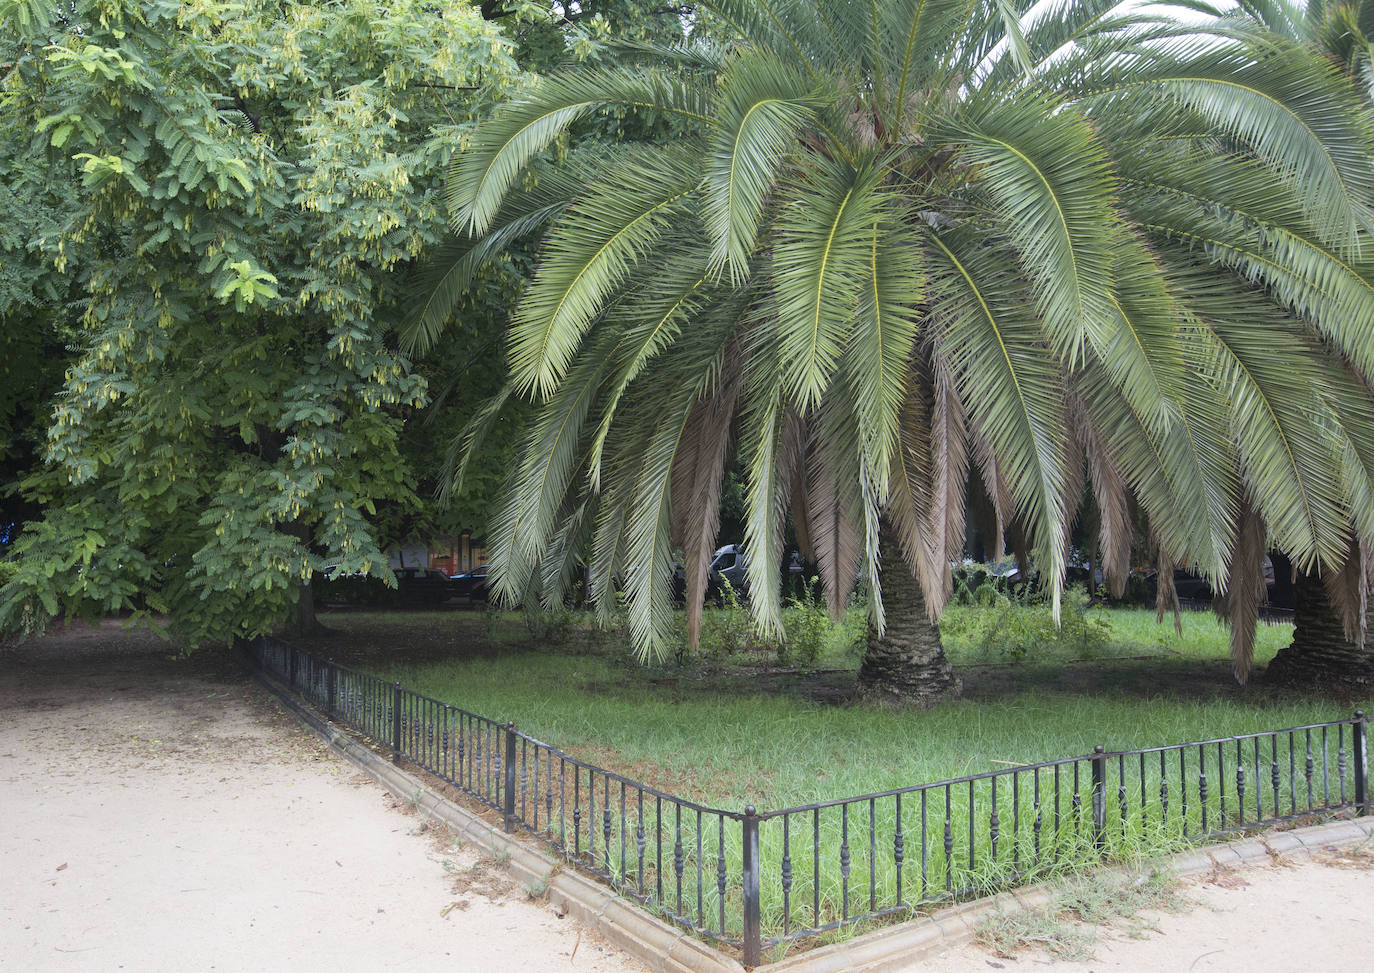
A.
pixel 1019 624
pixel 729 629
pixel 808 628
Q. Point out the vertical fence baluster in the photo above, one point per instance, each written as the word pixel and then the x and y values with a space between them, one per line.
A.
pixel 606 827
pixel 750 877
pixel 925 848
pixel 844 857
pixel 639 839
pixel 1015 822
pixel 1357 746
pixel 332 680
pixel 872 856
pixel 949 840
pixel 1221 782
pixel 786 874
pixel 1202 784
pixel 1340 758
pixel 679 862
pixel 1275 778
pixel 972 817
pixel 701 909
pixel 1121 792
pixel 720 869
pixel 508 805
pixel 994 823
pixel 1098 763
pixel 816 868
pixel 898 849
pixel 396 724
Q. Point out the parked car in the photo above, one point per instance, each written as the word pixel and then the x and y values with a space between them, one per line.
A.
pixel 471 585
pixel 421 588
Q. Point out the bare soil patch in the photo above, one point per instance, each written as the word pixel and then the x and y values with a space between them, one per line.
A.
pixel 166 814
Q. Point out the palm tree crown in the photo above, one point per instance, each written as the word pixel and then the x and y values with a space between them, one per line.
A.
pixel 903 243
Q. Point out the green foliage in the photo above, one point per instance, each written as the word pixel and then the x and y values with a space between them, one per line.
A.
pixel 1019 625
pixel 808 626
pixel 728 631
pixel 894 247
pixel 223 198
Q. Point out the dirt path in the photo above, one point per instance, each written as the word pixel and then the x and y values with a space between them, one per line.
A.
pixel 162 815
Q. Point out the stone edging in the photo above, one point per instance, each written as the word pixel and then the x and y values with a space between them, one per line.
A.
pixel 667 949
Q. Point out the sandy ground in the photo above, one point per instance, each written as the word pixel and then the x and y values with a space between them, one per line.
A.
pixel 1286 917
pixel 167 815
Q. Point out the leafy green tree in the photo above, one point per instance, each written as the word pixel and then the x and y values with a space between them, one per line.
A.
pixel 236 188
pixel 905 242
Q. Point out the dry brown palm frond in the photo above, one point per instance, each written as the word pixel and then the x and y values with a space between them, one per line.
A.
pixel 910 490
pixel 1115 526
pixel 1245 591
pixel 829 509
pixel 1166 595
pixel 994 486
pixel 1349 590
pixel 949 458
pixel 698 473
pixel 794 453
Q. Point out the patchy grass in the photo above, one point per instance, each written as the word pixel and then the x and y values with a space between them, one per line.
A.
pixel 1067 927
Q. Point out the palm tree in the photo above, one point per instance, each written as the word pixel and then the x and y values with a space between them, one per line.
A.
pixel 1330 600
pixel 902 243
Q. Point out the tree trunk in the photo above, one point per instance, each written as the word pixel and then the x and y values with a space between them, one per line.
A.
pixel 302 622
pixel 1320 657
pixel 907 665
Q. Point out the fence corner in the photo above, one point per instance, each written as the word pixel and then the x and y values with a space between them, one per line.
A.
pixel 753 950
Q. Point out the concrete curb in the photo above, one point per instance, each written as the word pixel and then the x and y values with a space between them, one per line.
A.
pixel 666 949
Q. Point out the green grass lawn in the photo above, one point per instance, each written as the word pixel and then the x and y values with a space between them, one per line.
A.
pixel 736 730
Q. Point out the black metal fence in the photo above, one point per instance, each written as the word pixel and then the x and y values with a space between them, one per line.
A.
pixel 755 880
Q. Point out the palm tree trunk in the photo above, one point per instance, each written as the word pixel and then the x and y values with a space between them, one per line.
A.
pixel 1320 657
pixel 907 664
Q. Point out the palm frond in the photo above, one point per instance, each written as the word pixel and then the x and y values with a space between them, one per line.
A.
pixel 587 256
pixel 1050 183
pixel 764 104
pixel 1292 108
pixel 822 270
pixel 501 148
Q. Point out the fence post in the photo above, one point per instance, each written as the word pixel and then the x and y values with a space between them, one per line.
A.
pixel 1099 764
pixel 291 668
pixel 396 724
pixel 752 935
pixel 331 682
pixel 508 802
pixel 1357 742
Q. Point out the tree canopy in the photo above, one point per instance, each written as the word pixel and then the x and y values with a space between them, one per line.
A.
pixel 896 244
pixel 213 200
